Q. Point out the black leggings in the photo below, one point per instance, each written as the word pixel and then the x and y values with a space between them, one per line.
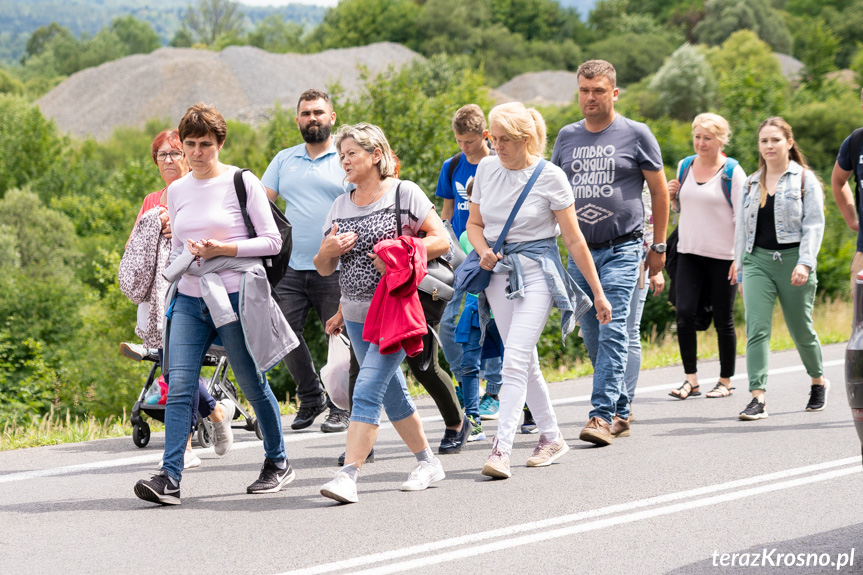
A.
pixel 699 276
pixel 433 378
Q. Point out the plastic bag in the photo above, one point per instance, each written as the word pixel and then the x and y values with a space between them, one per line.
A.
pixel 335 375
pixel 154 394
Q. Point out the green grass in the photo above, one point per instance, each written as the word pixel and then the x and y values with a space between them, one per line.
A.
pixel 832 322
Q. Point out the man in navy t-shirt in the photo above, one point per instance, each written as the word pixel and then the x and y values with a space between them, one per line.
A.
pixel 471 135
pixel 850 162
pixel 607 159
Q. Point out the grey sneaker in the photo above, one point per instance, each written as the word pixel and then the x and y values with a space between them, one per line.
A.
pixel 341 488
pixel 755 410
pixel 223 435
pixel 818 396
pixel 547 451
pixel 497 464
pixel 423 475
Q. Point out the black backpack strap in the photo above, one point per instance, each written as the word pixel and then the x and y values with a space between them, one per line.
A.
pixel 453 164
pixel 240 188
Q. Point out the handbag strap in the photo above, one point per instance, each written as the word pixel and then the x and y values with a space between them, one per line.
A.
pixel 240 189
pixel 499 243
pixel 398 209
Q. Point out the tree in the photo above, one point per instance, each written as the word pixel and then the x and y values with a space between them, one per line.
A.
pixel 751 89
pixel 724 17
pixel 634 56
pixel 213 18
pixel 819 49
pixel 685 84
pixel 42 36
pixel 362 22
pixel 136 35
pixel 274 34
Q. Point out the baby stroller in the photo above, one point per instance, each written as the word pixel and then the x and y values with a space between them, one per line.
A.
pixel 219 386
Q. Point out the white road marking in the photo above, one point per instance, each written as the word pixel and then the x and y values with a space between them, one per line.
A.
pixel 296 438
pixel 629 515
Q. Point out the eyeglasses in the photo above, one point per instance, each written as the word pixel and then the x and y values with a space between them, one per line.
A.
pixel 175 156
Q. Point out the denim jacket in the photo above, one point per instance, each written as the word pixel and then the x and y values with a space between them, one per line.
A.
pixel 798 217
pixel 567 296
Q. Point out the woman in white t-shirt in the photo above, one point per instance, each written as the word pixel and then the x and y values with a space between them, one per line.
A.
pixel 706 276
pixel 521 299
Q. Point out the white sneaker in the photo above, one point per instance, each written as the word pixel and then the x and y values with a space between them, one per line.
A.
pixel 423 475
pixel 223 434
pixel 190 460
pixel 341 488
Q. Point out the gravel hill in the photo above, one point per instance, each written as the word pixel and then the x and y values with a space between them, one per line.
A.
pixel 243 82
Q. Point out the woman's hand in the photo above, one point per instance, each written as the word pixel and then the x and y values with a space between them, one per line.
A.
pixel 379 263
pixel 335 244
pixel 489 259
pixel 166 222
pixel 673 188
pixel 335 324
pixel 603 308
pixel 800 275
pixel 657 283
pixel 732 274
pixel 208 248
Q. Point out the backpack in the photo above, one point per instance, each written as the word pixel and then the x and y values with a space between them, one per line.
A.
pixel 727 173
pixel 276 265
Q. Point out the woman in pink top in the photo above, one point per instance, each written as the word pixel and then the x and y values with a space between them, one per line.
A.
pixel 706 275
pixel 207 221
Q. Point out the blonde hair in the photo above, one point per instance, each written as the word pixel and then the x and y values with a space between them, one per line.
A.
pixel 521 123
pixel 370 138
pixel 794 153
pixel 715 124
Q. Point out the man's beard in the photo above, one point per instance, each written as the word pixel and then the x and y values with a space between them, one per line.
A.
pixel 317 136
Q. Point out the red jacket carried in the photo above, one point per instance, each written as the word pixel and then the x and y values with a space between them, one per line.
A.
pixel 396 319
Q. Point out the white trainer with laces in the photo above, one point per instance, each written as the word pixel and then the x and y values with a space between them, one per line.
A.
pixel 223 434
pixel 190 460
pixel 423 475
pixel 341 488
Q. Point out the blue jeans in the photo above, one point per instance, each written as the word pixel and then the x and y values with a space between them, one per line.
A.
pixel 452 351
pixel 471 362
pixel 490 372
pixel 607 345
pixel 192 333
pixel 380 382
pixel 633 331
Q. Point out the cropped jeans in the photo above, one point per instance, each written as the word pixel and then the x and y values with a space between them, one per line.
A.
pixel 608 345
pixel 192 333
pixel 380 382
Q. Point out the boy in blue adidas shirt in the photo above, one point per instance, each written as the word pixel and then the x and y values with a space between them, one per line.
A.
pixel 469 128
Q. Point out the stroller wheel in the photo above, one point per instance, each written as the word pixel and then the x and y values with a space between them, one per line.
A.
pixel 250 423
pixel 205 433
pixel 258 430
pixel 141 434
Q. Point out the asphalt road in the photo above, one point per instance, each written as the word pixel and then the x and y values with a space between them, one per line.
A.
pixel 693 490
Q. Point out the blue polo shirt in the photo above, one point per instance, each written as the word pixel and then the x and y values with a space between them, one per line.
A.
pixel 309 188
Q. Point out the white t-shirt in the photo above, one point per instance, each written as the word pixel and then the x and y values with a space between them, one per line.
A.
pixel 496 190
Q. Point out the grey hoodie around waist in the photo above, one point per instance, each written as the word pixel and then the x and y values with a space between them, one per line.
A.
pixel 566 295
pixel 268 336
pixel 798 215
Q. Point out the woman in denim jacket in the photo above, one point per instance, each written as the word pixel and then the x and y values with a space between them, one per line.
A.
pixel 778 234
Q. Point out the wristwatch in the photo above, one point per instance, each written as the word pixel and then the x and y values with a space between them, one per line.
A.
pixel 658 248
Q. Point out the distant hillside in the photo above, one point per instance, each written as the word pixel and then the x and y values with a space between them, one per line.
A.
pixel 19 18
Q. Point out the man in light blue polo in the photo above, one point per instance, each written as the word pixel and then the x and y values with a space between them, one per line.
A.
pixel 309 177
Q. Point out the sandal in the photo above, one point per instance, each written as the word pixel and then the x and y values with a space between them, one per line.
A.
pixel 685 390
pixel 719 390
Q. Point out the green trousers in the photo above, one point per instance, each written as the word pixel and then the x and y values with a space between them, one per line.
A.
pixel 766 276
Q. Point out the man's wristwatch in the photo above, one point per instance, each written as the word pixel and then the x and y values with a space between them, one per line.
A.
pixel 658 248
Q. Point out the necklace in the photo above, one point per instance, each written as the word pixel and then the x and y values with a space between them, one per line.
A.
pixel 375 197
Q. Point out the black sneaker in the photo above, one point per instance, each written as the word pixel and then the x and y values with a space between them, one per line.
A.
pixel 529 424
pixel 272 479
pixel 369 459
pixel 158 489
pixel 336 421
pixel 818 396
pixel 306 414
pixel 453 440
pixel 755 410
